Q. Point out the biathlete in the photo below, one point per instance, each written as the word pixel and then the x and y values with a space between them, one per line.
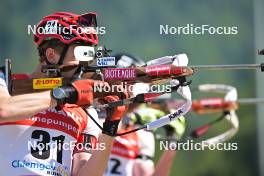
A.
pixel 34 133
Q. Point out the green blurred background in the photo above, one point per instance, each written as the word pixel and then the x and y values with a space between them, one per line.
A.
pixel 133 27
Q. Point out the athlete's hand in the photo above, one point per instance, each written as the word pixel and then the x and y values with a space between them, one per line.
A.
pixel 84 88
pixel 114 115
pixel 80 92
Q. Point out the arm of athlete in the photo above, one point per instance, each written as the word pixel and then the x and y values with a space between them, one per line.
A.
pixel 164 164
pixel 96 163
pixel 144 164
pixel 163 167
pixel 13 108
pixel 143 167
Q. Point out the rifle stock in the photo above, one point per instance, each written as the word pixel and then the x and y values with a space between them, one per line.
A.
pixel 149 74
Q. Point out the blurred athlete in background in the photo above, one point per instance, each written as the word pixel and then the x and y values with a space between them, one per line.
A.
pixel 133 154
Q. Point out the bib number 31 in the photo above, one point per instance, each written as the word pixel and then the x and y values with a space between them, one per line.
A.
pixel 41 145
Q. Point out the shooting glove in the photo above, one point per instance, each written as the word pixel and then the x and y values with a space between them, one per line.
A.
pixel 84 89
pixel 114 115
pixel 80 92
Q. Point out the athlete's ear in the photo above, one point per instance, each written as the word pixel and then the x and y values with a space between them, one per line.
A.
pixel 52 55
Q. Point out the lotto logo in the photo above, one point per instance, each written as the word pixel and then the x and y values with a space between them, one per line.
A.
pixel 47 83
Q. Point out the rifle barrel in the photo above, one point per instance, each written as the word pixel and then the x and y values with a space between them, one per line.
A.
pixel 250 100
pixel 228 67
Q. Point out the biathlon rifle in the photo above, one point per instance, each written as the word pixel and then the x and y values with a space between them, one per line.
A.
pixel 154 74
pixel 148 74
